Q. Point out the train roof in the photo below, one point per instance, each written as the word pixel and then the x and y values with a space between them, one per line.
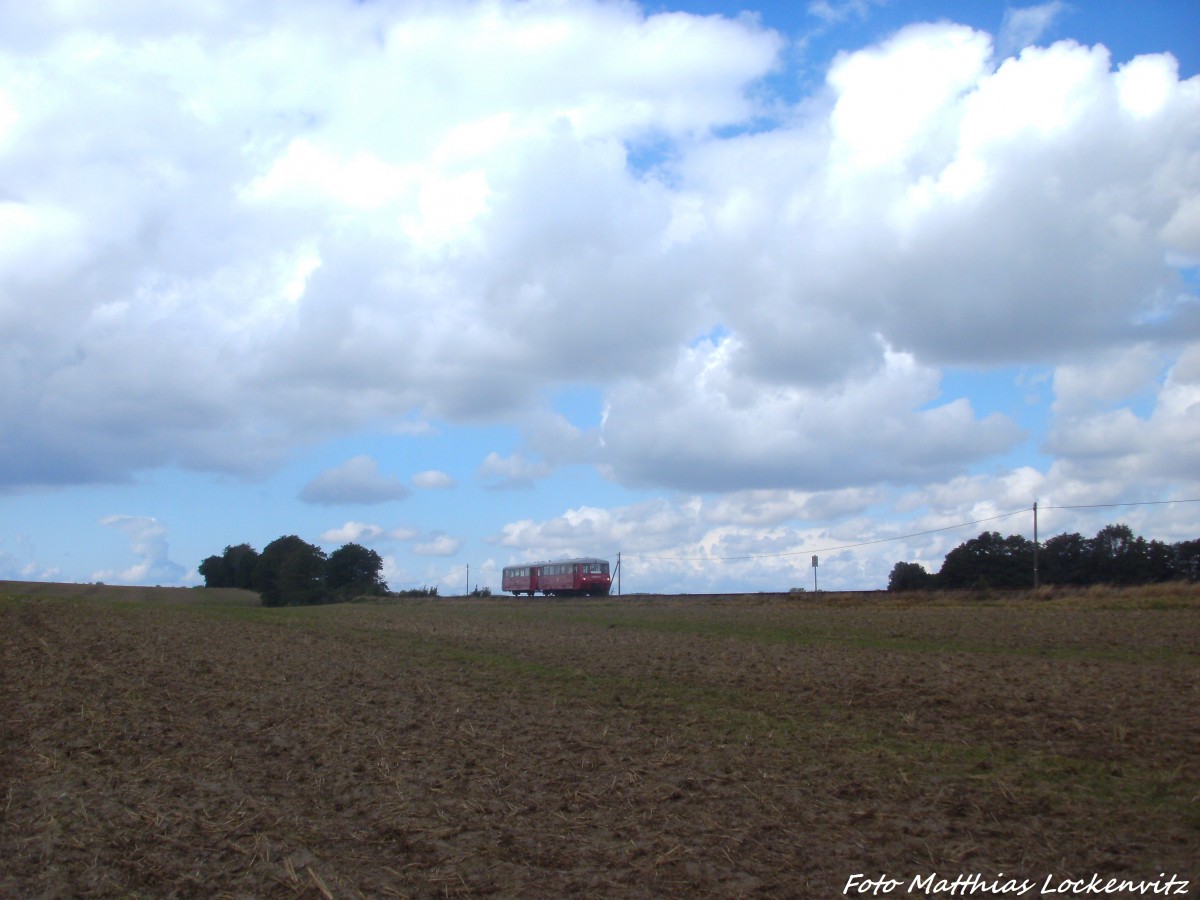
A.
pixel 559 562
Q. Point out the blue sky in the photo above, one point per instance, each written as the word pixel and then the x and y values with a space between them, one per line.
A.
pixel 479 283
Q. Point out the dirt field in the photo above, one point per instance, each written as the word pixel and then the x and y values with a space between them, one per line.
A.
pixel 185 744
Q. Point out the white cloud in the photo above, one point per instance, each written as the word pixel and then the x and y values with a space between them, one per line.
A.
pixel 1106 443
pixel 592 531
pixel 365 533
pixel 710 426
pixel 148 541
pixel 695 544
pixel 265 241
pixel 1146 83
pixel 438 545
pixel 433 479
pixel 1107 378
pixel 1026 25
pixel 20 563
pixel 515 471
pixel 352 533
pixel 764 540
pixel 1019 214
pixel 357 480
pixel 896 100
pixel 833 11
pixel 237 232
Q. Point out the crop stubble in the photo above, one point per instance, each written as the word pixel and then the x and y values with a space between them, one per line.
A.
pixel 608 747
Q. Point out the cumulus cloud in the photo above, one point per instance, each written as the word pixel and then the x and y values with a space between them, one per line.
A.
pixel 1026 25
pixel 509 472
pixel 707 425
pixel 357 480
pixel 233 261
pixel 148 541
pixel 592 531
pixel 20 562
pixel 1121 433
pixel 834 11
pixel 1107 379
pixel 1115 446
pixel 433 479
pixel 207 263
pixel 696 544
pixel 351 533
pixel 364 533
pixel 438 545
pixel 994 220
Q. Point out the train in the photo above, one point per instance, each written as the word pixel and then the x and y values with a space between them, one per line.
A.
pixel 583 577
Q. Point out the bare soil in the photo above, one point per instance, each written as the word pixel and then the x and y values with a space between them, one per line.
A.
pixel 186 745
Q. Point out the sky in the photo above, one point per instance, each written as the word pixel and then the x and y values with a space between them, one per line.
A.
pixel 715 286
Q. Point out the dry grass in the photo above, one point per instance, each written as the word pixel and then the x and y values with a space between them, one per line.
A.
pixel 763 745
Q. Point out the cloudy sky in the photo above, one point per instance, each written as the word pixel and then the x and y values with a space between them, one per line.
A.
pixel 713 285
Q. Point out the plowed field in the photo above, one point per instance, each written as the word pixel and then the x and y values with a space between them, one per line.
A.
pixel 611 747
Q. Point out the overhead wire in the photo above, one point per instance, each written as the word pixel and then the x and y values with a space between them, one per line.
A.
pixel 1111 505
pixel 887 540
pixel 899 537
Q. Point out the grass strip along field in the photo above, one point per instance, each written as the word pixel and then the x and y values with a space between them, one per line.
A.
pixel 187 743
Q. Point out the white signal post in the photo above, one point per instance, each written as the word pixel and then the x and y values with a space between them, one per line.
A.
pixel 814 575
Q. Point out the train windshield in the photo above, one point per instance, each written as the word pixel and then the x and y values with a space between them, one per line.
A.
pixel 596 568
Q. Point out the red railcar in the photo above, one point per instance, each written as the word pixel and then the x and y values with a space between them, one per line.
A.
pixel 566 577
pixel 520 579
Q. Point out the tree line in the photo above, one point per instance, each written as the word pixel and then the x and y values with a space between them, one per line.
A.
pixel 293 572
pixel 1114 556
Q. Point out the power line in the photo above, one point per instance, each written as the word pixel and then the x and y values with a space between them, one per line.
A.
pixel 1113 505
pixel 900 537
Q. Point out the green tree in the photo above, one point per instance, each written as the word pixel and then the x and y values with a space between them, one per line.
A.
pixel 290 572
pixel 1160 562
pixel 1187 560
pixel 1065 559
pixel 909 576
pixel 234 568
pixel 352 570
pixel 1118 556
pixel 988 561
pixel 240 561
pixel 215 572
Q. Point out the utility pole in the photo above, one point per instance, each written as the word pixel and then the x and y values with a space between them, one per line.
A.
pixel 618 573
pixel 1035 547
pixel 468 579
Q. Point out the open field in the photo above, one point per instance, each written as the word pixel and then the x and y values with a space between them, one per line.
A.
pixel 192 744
